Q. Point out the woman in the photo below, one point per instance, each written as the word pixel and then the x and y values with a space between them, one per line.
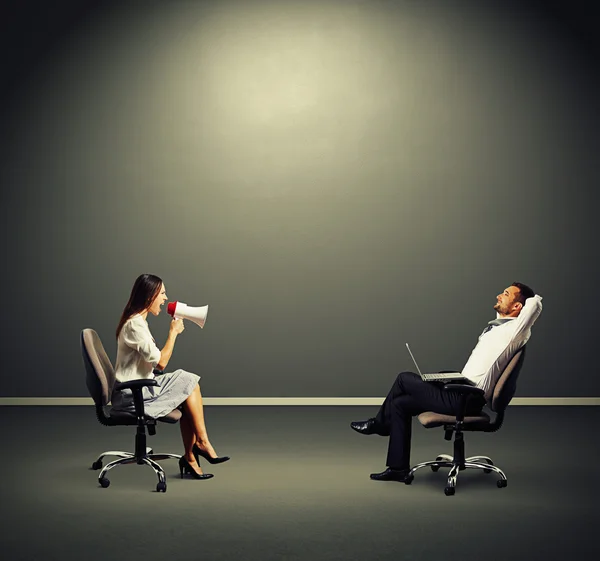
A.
pixel 138 356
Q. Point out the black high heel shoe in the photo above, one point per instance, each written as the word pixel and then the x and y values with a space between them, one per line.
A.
pixel 184 465
pixel 218 460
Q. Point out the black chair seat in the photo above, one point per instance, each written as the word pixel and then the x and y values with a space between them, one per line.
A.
pixel 126 418
pixel 429 420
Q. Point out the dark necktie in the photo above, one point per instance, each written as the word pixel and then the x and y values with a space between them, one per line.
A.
pixel 494 323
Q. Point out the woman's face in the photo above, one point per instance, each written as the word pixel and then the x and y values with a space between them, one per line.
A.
pixel 160 299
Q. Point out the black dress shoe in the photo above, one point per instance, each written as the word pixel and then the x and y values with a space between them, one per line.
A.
pixel 365 427
pixel 391 475
pixel 218 460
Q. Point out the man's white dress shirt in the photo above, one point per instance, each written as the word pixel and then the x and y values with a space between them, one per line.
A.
pixel 497 346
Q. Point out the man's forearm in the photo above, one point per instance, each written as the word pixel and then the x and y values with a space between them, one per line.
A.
pixel 530 312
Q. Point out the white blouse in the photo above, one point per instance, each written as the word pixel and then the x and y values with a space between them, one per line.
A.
pixel 137 353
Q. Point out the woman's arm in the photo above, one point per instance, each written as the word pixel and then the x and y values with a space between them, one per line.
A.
pixel 175 329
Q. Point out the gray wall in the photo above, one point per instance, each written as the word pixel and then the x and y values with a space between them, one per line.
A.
pixel 333 178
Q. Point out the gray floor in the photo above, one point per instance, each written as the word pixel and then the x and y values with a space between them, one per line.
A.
pixel 297 487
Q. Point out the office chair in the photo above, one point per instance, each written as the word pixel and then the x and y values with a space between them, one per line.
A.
pixel 100 380
pixel 497 401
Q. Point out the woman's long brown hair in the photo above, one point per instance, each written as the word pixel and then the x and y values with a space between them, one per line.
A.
pixel 145 289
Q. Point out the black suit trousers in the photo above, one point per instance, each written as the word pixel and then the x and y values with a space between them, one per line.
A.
pixel 410 396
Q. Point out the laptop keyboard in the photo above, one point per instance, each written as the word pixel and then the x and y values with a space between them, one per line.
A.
pixel 442 376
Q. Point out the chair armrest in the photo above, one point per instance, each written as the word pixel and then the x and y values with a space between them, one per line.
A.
pixel 465 389
pixel 136 387
pixel 136 384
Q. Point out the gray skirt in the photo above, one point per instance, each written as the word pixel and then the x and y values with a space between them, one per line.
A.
pixel 172 390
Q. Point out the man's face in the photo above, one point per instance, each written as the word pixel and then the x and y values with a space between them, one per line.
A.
pixel 507 303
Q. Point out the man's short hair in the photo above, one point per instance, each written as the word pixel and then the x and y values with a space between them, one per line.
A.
pixel 524 292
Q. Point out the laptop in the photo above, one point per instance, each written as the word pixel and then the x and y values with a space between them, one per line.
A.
pixel 439 376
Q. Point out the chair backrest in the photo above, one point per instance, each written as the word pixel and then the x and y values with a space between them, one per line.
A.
pixel 100 373
pixel 506 386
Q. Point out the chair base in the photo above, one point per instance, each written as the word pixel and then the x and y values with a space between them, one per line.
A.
pixel 123 458
pixel 446 461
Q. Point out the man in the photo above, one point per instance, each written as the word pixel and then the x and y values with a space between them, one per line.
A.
pixel 517 308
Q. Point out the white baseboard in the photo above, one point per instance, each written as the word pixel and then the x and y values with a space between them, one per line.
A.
pixel 59 401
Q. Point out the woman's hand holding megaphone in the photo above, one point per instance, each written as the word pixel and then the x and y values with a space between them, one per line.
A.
pixel 176 326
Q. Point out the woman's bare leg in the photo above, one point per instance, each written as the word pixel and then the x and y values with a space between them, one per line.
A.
pixel 189 439
pixel 195 413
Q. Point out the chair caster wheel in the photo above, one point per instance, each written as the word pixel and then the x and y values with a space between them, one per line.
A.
pixel 435 468
pixel 449 491
pixel 409 479
pixel 161 486
pixel 501 483
pixel 97 464
pixel 104 482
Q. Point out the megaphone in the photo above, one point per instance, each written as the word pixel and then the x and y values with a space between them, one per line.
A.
pixel 179 310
